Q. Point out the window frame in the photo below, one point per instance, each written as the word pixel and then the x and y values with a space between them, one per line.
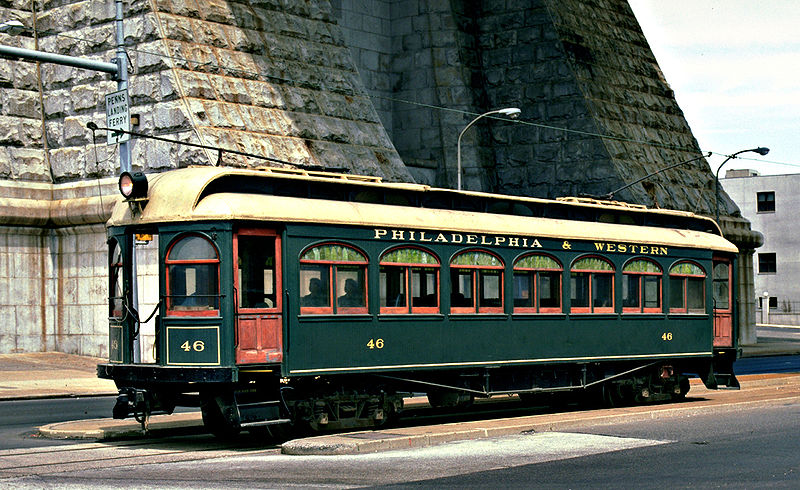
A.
pixel 408 270
pixel 640 285
pixel 685 310
pixel 759 201
pixel 332 307
pixel 591 309
pixel 168 262
pixel 475 274
pixel 536 308
pixel 773 262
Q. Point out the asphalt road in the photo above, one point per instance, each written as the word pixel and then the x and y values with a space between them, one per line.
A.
pixel 752 448
pixel 19 419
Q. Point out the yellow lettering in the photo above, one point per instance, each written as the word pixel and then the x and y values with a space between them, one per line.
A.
pixel 422 237
pixel 633 249
pixel 611 247
pixel 599 246
pixel 622 247
pixel 499 239
pixel 644 249
pixel 536 243
pixel 525 242
pixel 457 238
pixel 411 237
pixel 483 240
pixel 472 238
pixel 513 242
pixel 398 235
pixel 663 251
pixel 379 233
pixel 441 239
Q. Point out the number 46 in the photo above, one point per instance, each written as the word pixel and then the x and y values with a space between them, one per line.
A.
pixel 666 336
pixel 197 346
pixel 375 344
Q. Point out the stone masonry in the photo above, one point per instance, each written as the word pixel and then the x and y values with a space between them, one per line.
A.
pixel 380 87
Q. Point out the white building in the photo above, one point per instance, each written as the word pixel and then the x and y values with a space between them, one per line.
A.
pixel 771 203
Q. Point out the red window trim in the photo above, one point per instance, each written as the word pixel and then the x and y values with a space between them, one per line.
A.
pixel 536 308
pixel 169 311
pixel 409 307
pixel 684 310
pixel 278 308
pixel 332 308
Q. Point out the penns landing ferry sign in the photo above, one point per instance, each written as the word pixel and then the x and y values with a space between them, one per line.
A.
pixel 488 240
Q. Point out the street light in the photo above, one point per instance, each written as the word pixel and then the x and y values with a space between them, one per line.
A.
pixel 510 112
pixel 760 150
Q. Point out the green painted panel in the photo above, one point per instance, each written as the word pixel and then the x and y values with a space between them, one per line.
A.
pixel 115 343
pixel 193 345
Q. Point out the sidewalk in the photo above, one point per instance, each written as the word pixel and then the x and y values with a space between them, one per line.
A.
pixel 54 374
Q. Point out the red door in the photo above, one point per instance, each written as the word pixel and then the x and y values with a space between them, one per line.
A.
pixel 257 276
pixel 723 303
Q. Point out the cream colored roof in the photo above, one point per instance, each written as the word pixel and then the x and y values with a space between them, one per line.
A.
pixel 173 197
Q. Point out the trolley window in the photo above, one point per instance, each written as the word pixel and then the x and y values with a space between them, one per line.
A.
pixel 687 292
pixel 722 294
pixel 192 277
pixel 115 297
pixel 592 286
pixel 641 287
pixel 476 279
pixel 333 280
pixel 537 284
pixel 409 269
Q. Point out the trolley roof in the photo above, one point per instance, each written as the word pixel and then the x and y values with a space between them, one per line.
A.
pixel 215 193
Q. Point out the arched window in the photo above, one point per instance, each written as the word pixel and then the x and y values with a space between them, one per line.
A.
pixel 641 287
pixel 333 279
pixel 537 284
pixel 592 286
pixel 409 269
pixel 687 291
pixel 476 279
pixel 115 298
pixel 192 277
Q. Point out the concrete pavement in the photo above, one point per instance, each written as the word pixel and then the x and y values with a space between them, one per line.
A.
pixel 52 374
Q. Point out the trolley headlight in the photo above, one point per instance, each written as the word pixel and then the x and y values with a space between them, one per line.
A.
pixel 133 185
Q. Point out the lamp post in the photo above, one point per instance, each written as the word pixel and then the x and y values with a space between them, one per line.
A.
pixel 510 112
pixel 760 150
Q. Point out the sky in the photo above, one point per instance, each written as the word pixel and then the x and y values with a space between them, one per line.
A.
pixel 734 66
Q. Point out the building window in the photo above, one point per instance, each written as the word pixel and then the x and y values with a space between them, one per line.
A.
pixel 537 284
pixel 766 202
pixel 476 279
pixel 192 277
pixel 641 287
pixel 767 263
pixel 409 269
pixel 333 280
pixel 687 292
pixel 592 286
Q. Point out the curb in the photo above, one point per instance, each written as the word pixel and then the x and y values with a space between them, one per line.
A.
pixel 105 429
pixel 366 442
